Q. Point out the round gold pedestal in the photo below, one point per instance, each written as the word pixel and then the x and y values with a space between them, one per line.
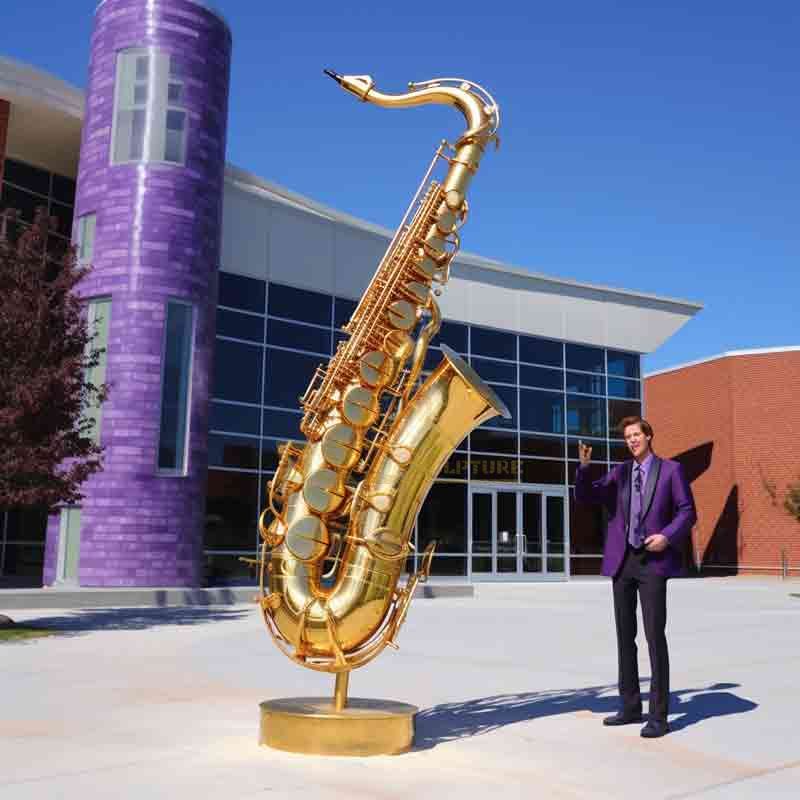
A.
pixel 362 728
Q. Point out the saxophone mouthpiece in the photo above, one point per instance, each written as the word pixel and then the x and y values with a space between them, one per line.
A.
pixel 335 75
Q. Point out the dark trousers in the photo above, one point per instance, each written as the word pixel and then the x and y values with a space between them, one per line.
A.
pixel 635 579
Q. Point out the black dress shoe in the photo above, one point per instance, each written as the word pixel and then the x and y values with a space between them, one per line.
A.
pixel 624 718
pixel 654 729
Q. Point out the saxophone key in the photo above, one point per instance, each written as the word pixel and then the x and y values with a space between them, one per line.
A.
pixel 324 491
pixel 376 368
pixel 360 406
pixel 402 315
pixel 307 539
pixel 341 446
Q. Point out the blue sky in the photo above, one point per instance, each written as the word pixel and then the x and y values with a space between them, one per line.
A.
pixel 648 146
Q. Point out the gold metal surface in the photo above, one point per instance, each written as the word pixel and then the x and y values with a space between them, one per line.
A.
pixel 313 725
pixel 342 505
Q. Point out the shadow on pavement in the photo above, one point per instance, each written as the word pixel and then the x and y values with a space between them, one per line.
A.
pixel 451 721
pixel 132 619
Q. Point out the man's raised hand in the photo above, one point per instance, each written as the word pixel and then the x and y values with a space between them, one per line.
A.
pixel 584 453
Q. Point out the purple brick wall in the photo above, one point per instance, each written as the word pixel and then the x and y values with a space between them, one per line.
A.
pixel 157 237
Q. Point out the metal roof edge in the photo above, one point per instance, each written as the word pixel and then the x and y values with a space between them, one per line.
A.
pixel 757 351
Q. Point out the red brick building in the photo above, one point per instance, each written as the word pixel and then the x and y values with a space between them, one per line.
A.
pixel 734 422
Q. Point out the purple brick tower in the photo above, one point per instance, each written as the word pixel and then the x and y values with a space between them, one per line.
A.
pixel 148 216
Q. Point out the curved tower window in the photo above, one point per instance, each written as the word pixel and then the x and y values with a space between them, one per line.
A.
pixel 175 384
pixel 149 109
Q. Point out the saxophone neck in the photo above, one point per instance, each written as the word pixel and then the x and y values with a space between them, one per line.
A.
pixel 481 112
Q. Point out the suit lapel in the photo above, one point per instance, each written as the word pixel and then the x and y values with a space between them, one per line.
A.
pixel 626 490
pixel 650 486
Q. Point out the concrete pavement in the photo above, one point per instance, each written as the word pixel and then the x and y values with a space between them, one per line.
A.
pixel 512 686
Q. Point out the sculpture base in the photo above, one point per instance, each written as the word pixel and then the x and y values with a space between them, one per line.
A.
pixel 312 725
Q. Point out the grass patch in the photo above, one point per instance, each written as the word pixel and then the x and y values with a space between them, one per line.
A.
pixel 18 633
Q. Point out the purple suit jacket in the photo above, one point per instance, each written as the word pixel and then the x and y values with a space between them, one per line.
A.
pixel 667 507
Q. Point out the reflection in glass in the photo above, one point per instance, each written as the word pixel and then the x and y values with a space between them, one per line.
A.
pixel 449 565
pixel 506 531
pixel 342 311
pixel 585 358
pixel 508 394
pixel 586 415
pixel 625 364
pixel 621 387
pixel 269 453
pixel 26 176
pixel 234 418
pixel 482 531
pixel 283 424
pixel 288 376
pixel 587 530
pixel 489 441
pixel 541 351
pixel 237 371
pixel 232 451
pixel 493 468
pixel 532 522
pixel 547 446
pixel 494 370
pixel 239 291
pixel 240 326
pixel 586 384
pixel 453 334
pixel 541 411
pixel 556 542
pixel 299 304
pixel 497 344
pixel 299 337
pixel 541 377
pixel 619 409
pixel 231 509
pixel 443 517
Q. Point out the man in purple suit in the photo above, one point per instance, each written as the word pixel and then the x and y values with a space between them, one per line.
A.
pixel 651 512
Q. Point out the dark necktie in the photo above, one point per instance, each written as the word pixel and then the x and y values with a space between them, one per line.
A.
pixel 634 535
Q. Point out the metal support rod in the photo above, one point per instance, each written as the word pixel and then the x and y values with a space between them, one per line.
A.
pixel 340 692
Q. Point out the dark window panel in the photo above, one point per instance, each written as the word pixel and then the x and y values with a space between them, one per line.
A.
pixel 546 446
pixel 283 424
pixel 236 419
pixel 224 569
pixel 541 378
pixel 239 291
pixel 25 561
pixel 497 344
pixel 449 565
pixel 541 351
pixel 23 202
pixel 586 384
pixel 585 358
pixel 63 215
pixel 240 326
pixel 26 176
pixel 231 510
pixel 63 189
pixel 585 565
pixel 26 525
pixel 586 416
pixel 619 409
pixel 494 468
pixel 508 394
pixel 288 376
pixel 342 311
pixel 624 364
pixel 536 471
pixel 299 304
pixel 237 371
pixel 453 334
pixel 443 517
pixel 494 370
pixel 620 387
pixel 269 454
pixel 619 451
pixel 299 337
pixel 599 448
pixel 596 471
pixel 433 358
pixel 541 411
pixel 232 451
pixel 488 441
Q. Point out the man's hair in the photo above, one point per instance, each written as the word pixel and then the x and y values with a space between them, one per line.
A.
pixel 646 427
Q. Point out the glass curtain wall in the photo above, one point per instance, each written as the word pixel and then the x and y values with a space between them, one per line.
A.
pixel 271 338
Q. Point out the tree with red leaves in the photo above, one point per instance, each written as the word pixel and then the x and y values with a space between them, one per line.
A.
pixel 46 445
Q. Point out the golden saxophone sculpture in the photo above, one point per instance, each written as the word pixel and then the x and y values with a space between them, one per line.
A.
pixel 342 505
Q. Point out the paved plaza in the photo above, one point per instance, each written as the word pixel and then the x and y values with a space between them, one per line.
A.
pixel 512 685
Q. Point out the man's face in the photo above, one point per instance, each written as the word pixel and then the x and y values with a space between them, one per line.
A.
pixel 638 443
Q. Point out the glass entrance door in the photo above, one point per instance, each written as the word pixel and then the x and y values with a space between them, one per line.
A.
pixel 517 533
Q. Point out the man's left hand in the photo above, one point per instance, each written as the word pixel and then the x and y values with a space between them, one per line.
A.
pixel 656 542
